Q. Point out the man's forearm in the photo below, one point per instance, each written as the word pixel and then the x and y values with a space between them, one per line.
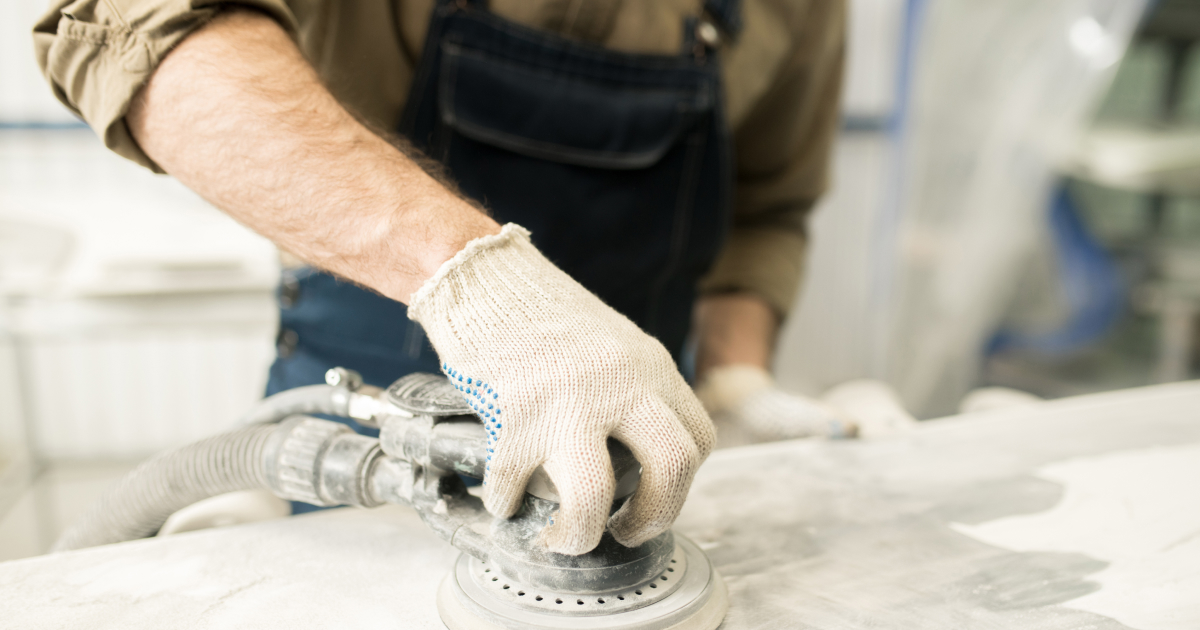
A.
pixel 238 115
pixel 734 329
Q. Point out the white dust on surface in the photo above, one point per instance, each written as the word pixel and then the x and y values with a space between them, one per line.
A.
pixel 1137 510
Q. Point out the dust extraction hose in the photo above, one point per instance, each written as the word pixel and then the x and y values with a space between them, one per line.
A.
pixel 143 500
pixel 310 399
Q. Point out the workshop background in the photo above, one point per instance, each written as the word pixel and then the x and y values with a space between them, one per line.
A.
pixel 1016 203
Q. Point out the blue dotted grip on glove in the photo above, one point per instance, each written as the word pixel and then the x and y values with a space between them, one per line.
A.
pixel 483 400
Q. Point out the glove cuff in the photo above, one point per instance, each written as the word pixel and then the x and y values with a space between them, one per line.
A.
pixel 727 386
pixel 421 299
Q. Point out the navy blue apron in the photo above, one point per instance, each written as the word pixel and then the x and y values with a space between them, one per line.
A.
pixel 619 165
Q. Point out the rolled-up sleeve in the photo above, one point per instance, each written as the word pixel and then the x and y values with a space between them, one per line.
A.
pixel 97 54
pixel 784 148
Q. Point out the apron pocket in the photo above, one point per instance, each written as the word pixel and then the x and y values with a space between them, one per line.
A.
pixel 544 115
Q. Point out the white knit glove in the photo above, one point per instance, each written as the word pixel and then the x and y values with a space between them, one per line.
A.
pixel 875 407
pixel 553 372
pixel 749 407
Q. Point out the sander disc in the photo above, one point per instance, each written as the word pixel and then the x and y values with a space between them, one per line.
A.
pixel 688 595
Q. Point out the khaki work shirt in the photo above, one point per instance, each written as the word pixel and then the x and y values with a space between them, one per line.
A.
pixel 782 78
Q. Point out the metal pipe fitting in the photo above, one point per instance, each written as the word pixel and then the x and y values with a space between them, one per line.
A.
pixel 343 395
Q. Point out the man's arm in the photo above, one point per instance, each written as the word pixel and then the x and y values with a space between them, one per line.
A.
pixel 237 114
pixel 734 329
pixel 784 147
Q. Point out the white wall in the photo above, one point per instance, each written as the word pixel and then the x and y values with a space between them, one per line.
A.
pixel 144 317
pixel 15 455
pixel 830 337
pixel 875 36
pixel 918 249
pixel 833 335
pixel 24 97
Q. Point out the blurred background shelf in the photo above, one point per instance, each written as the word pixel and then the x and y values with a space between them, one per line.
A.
pixel 134 318
pixel 1134 177
pixel 1150 159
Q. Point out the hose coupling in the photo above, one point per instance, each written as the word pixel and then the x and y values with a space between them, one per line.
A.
pixel 320 462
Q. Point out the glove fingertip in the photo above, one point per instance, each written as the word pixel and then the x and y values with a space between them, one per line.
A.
pixel 559 538
pixel 844 430
pixel 629 533
pixel 499 498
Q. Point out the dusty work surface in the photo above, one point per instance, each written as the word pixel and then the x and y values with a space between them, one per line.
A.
pixel 1083 513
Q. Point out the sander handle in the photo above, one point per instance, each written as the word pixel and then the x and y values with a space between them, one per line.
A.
pixel 432 426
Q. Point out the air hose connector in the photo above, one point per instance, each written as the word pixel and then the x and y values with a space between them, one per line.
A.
pixel 320 462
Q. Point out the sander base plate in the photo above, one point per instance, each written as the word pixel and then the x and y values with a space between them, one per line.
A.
pixel 698 600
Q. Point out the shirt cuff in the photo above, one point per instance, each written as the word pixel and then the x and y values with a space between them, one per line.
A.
pixel 98 54
pixel 766 262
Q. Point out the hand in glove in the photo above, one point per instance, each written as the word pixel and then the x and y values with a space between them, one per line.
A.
pixel 744 400
pixel 553 372
pixel 750 407
pixel 873 405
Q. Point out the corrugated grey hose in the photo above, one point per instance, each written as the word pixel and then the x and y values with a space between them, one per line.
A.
pixel 141 502
pixel 310 399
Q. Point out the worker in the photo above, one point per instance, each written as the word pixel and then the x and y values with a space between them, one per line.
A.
pixel 593 166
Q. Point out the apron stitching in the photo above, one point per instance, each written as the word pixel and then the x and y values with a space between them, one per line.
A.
pixel 687 185
pixel 616 160
pixel 442 129
pixel 421 80
pixel 459 49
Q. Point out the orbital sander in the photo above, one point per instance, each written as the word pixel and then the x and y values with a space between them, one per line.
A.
pixel 430 445
pixel 504 578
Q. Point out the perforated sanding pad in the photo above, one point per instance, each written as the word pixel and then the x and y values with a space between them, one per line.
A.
pixel 688 595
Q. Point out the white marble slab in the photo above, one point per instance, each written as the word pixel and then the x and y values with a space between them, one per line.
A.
pixel 1081 513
